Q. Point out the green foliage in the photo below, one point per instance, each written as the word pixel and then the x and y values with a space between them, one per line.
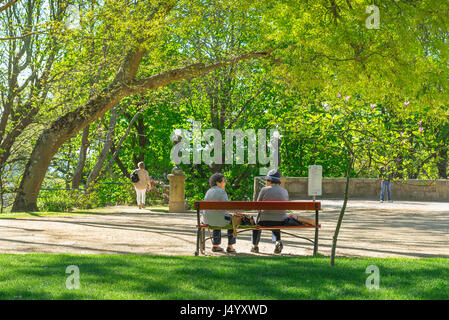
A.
pixel 194 278
pixel 109 192
pixel 320 52
pixel 117 192
pixel 55 200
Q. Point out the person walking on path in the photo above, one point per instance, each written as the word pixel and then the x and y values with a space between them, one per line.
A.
pixel 386 176
pixel 142 184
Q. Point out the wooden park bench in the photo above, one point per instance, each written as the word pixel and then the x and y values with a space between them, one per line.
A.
pixel 255 205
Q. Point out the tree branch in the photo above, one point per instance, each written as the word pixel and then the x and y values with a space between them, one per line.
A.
pixel 21 37
pixel 188 72
pixel 117 149
pixel 244 107
pixel 7 5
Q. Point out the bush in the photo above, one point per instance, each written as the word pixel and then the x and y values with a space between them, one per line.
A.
pixel 62 200
pixel 121 192
pixel 106 193
pixel 117 192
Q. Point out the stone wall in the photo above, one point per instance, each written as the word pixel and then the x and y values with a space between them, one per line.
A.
pixel 333 188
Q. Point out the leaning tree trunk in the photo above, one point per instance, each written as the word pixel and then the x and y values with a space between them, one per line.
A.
pixel 105 151
pixel 141 138
pixel 82 159
pixel 117 149
pixel 119 162
pixel 48 144
pixel 65 127
pixel 1 190
pixel 342 212
pixel 442 164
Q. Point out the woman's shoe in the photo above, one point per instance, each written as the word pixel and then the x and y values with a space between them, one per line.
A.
pixel 230 250
pixel 255 249
pixel 217 249
pixel 278 247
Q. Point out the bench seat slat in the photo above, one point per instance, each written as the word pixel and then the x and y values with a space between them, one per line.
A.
pixel 205 226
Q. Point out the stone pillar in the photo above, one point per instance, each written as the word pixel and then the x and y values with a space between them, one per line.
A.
pixel 176 202
pixel 283 180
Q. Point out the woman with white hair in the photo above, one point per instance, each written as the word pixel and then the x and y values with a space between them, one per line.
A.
pixel 218 218
pixel 142 184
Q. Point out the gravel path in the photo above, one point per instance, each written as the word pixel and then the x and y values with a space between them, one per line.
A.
pixel 398 229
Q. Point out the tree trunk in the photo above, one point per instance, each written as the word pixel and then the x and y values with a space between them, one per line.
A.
pixel 119 163
pixel 342 212
pixel 135 157
pixel 106 147
pixel 1 190
pixel 119 146
pixel 67 170
pixel 48 144
pixel 141 138
pixel 442 164
pixel 77 176
pixel 65 127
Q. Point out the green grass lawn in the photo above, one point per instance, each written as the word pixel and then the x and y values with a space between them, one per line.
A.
pixel 42 276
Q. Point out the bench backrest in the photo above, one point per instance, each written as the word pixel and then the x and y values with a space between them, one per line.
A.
pixel 257 205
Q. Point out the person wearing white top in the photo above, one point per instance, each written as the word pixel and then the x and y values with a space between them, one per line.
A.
pixel 142 185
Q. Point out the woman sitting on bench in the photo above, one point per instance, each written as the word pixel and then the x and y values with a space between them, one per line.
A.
pixel 218 218
pixel 269 218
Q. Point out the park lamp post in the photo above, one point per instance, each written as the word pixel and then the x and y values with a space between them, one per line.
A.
pixel 277 140
pixel 177 139
pixel 277 137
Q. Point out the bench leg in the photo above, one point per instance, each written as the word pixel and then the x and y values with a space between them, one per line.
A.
pixel 315 244
pixel 198 232
pixel 203 241
pixel 198 239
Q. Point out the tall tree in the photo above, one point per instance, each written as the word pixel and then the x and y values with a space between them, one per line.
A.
pixel 322 45
pixel 123 84
pixel 26 66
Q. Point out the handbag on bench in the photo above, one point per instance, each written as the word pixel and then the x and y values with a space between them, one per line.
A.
pixel 241 219
pixel 305 221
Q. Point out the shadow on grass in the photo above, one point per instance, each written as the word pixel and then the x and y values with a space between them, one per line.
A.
pixel 239 277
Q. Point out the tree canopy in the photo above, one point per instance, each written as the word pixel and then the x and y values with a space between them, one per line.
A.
pixel 91 87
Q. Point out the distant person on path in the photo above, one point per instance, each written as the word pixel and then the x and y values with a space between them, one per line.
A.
pixel 270 218
pixel 386 176
pixel 142 184
pixel 218 218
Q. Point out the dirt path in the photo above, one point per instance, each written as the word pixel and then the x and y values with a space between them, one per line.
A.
pixel 402 229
